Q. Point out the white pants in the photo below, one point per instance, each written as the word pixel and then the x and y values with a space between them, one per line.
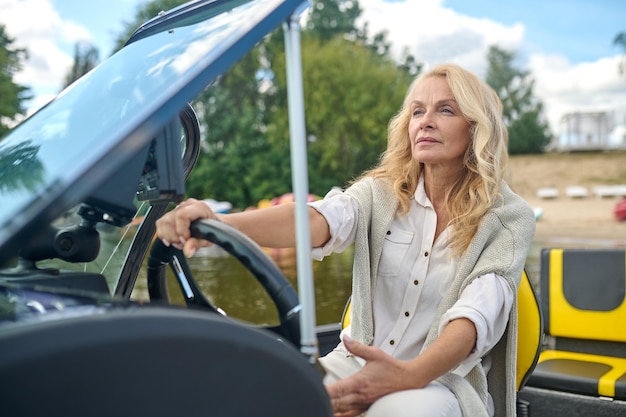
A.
pixel 434 400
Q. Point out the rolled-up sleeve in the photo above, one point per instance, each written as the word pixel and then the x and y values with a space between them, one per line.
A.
pixel 487 303
pixel 340 212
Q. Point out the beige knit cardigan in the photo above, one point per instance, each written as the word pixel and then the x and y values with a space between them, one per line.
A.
pixel 499 246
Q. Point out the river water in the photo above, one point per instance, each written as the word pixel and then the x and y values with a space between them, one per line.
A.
pixel 231 287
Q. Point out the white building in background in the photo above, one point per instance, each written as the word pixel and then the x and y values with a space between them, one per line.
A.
pixel 589 131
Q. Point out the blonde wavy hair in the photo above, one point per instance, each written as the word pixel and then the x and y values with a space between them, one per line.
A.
pixel 485 161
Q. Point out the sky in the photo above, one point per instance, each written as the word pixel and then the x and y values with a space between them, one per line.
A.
pixel 567 45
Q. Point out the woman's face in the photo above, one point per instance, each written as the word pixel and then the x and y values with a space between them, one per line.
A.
pixel 438 131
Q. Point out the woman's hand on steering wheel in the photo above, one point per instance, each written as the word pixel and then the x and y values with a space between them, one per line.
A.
pixel 174 227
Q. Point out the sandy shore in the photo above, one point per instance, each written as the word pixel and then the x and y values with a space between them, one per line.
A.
pixel 564 217
pixel 589 218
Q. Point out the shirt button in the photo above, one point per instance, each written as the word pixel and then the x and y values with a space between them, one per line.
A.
pixel 415 282
pixel 426 253
pixel 406 314
pixel 388 232
pixel 391 342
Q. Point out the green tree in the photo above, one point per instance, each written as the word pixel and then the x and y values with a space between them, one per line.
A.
pixel 351 90
pixel 12 95
pixel 350 95
pixel 235 162
pixel 409 64
pixel 86 57
pixel 523 113
pixel 330 18
pixel 380 45
pixel 620 41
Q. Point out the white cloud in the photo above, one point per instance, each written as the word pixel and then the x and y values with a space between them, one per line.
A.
pixel 436 34
pixel 47 39
pixel 586 87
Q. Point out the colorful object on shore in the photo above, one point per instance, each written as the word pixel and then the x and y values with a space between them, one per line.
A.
pixel 219 206
pixel 620 210
pixel 284 199
pixel 290 198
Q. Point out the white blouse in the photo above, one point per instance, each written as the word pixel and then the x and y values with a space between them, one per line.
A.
pixel 413 276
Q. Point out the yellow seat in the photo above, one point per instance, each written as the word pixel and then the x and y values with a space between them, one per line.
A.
pixel 529 329
pixel 583 294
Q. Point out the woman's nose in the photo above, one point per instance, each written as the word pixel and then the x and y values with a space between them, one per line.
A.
pixel 427 120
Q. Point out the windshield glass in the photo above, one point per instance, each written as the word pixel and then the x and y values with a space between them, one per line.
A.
pixel 115 109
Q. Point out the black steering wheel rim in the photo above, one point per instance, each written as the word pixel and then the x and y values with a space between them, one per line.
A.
pixel 246 251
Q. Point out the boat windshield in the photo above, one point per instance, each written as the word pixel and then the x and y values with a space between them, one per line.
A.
pixel 57 158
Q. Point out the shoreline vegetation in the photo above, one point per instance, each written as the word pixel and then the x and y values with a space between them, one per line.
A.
pixel 564 218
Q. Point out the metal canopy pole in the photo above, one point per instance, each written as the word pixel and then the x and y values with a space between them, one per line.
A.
pixel 300 182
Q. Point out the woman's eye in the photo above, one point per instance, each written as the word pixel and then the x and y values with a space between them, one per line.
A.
pixel 417 112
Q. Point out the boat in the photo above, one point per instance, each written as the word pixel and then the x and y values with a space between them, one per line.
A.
pixel 73 341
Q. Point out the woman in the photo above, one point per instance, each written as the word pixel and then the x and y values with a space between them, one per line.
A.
pixel 440 243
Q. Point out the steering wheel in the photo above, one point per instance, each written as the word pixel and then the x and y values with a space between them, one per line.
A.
pixel 246 251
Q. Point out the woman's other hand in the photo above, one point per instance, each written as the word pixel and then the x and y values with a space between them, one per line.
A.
pixel 381 375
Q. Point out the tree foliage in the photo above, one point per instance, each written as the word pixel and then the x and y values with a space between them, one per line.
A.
pixel 235 162
pixel 350 94
pixel 12 95
pixel 330 18
pixel 86 57
pixel 523 113
pixel 620 40
pixel 351 90
pixel 351 87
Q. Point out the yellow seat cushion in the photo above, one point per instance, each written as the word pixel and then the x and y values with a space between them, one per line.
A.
pixel 581 373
